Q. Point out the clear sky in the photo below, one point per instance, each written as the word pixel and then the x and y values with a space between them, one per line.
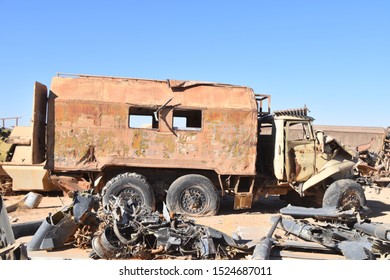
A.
pixel 333 56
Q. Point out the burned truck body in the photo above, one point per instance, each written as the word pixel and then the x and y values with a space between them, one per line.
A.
pixel 184 142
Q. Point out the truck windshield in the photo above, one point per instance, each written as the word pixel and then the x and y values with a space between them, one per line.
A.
pixel 300 131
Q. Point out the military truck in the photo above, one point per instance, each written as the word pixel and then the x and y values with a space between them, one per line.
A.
pixel 185 143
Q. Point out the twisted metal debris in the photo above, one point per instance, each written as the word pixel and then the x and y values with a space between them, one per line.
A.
pixel 126 230
pixel 373 167
pixel 332 232
pixel 138 232
pixel 72 224
pixel 9 248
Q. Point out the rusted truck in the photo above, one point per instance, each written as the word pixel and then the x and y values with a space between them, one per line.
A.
pixel 185 143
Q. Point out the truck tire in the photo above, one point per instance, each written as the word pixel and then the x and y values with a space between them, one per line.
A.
pixel 133 185
pixel 344 194
pixel 193 195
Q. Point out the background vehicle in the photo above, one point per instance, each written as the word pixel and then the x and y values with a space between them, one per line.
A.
pixel 17 172
pixel 184 142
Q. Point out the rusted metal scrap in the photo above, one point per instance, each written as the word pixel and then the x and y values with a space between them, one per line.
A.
pixel 324 213
pixel 374 168
pixel 16 251
pixel 9 249
pixel 337 237
pixel 341 233
pixel 138 232
pixel 6 234
pixel 59 229
pixel 263 249
pixel 124 229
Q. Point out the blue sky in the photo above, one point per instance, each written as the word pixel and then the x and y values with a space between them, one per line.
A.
pixel 333 56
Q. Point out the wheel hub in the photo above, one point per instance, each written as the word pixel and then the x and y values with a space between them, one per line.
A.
pixel 193 201
pixel 131 196
pixel 350 200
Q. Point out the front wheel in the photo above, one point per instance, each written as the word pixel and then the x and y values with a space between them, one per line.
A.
pixel 193 195
pixel 344 194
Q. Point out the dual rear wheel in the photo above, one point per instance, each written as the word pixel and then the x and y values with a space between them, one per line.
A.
pixel 191 195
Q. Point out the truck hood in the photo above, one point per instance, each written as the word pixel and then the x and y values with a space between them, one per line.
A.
pixel 353 152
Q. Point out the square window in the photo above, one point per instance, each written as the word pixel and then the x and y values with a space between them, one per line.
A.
pixel 140 117
pixel 187 119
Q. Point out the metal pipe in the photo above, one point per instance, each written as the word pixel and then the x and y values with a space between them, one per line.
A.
pixel 263 249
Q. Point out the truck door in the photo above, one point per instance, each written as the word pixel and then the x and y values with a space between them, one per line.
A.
pixel 300 151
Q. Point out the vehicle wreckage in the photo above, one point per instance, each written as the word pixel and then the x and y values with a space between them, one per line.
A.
pixel 125 230
pixel 9 248
pixel 329 231
pixel 185 143
pixel 374 167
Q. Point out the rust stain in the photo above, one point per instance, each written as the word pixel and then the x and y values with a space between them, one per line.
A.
pixel 139 144
pixel 168 145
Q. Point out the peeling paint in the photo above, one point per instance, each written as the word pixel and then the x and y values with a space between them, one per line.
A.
pixel 140 144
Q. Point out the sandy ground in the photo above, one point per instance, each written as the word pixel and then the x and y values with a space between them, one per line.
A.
pixel 254 222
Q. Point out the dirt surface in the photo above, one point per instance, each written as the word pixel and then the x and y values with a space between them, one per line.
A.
pixel 254 223
pixel 50 203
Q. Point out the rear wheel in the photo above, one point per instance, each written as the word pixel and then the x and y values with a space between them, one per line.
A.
pixel 132 187
pixel 193 195
pixel 344 194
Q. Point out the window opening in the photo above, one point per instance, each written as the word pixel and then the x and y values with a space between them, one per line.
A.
pixel 140 117
pixel 187 119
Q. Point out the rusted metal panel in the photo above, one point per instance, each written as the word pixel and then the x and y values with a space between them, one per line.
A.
pixel 152 93
pixel 72 183
pixel 29 177
pixel 243 200
pixel 38 142
pixel 92 114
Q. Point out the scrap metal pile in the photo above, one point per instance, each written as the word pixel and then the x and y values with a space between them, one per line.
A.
pixel 137 232
pixel 124 231
pixel 328 232
pixel 67 225
pixel 374 168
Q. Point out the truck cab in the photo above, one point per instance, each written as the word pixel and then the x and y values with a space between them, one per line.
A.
pixel 305 161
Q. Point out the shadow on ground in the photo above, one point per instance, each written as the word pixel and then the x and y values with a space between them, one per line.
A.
pixel 270 205
pixel 378 208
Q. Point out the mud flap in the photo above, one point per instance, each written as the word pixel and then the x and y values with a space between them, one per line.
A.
pixel 243 201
